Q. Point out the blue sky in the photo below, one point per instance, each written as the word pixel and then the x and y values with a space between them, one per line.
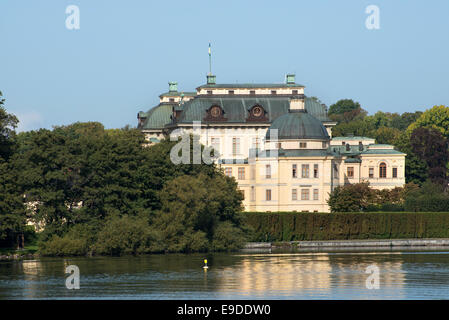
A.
pixel 125 52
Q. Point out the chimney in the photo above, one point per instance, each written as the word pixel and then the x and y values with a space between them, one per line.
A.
pixel 211 79
pixel 172 86
pixel 290 78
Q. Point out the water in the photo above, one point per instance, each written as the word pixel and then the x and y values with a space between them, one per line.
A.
pixel 301 275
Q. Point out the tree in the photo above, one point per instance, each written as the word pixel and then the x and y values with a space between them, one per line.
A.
pixel 194 208
pixel 351 198
pixel 416 170
pixel 346 110
pixel 436 117
pixel 431 146
pixel 386 135
pixel 8 124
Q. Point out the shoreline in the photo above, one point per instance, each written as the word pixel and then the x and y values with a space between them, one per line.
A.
pixel 346 244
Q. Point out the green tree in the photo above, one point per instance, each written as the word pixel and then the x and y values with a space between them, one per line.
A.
pixel 346 110
pixel 432 147
pixel 351 198
pixel 436 117
pixel 8 124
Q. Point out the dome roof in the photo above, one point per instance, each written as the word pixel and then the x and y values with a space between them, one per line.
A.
pixel 299 125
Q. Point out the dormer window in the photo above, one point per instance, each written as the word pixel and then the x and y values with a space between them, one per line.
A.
pixel 303 145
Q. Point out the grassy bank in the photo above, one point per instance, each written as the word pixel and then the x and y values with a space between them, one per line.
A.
pixel 290 226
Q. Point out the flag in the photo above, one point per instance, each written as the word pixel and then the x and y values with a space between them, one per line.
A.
pixel 209 48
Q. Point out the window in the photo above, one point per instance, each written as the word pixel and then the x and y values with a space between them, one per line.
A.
pixel 209 91
pixel 305 171
pixel 395 172
pixel 304 194
pixel 315 171
pixel 295 92
pixel 256 143
pixel 268 171
pixel 241 173
pixel 303 145
pixel 268 194
pixel 371 172
pixel 343 143
pixel 350 172
pixel 294 194
pixel 273 92
pixel 231 92
pixel 294 171
pixel 228 172
pixel 278 145
pixel 252 92
pixel 253 194
pixel 235 146
pixel 315 194
pixel 382 170
pixel 171 99
pixel 215 143
pixel 324 145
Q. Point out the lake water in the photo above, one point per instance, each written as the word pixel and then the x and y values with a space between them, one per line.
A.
pixel 300 275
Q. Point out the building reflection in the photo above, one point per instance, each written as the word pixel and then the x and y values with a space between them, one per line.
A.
pixel 320 273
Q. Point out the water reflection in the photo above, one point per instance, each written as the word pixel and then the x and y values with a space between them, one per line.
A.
pixel 320 275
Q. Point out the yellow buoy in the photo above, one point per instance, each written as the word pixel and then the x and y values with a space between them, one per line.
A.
pixel 205 264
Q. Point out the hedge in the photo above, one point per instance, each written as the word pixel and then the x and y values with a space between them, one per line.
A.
pixel 293 226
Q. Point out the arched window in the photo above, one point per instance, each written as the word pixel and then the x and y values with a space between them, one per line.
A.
pixel 382 170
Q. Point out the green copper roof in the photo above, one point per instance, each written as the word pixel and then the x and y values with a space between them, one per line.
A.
pixel 158 117
pixel 236 108
pixel 351 138
pixel 299 125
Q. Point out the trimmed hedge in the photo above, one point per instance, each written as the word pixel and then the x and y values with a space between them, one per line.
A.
pixel 293 226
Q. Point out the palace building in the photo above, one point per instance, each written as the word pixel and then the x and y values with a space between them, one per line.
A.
pixel 275 141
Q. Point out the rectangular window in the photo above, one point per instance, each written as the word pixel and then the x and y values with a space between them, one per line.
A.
pixel 253 194
pixel 395 172
pixel 295 92
pixel 305 171
pixel 228 172
pixel 273 92
pixel 304 194
pixel 294 171
pixel 268 194
pixel 315 171
pixel 350 172
pixel 231 92
pixel 241 173
pixel 209 91
pixel 278 145
pixel 371 172
pixel 268 171
pixel 303 145
pixel 235 146
pixel 324 145
pixel 252 92
pixel 171 99
pixel 294 194
pixel 256 143
pixel 315 194
pixel 215 143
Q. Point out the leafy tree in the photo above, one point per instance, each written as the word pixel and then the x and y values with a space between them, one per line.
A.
pixel 346 110
pixel 386 135
pixel 351 198
pixel 192 210
pixel 432 147
pixel 436 117
pixel 8 124
pixel 416 170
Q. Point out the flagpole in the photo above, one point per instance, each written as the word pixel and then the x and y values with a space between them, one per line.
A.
pixel 210 61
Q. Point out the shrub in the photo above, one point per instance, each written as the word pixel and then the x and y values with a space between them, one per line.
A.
pixel 64 246
pixel 228 238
